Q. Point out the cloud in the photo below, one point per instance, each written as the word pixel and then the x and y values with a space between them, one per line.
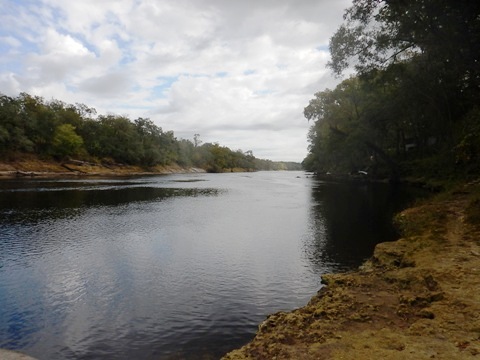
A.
pixel 113 84
pixel 237 72
pixel 59 57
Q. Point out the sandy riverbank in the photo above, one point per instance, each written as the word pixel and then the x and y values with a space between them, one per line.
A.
pixel 417 298
pixel 34 167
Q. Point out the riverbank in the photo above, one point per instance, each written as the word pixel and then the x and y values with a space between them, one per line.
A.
pixel 416 298
pixel 31 166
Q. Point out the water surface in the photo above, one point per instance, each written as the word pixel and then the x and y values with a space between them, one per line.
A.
pixel 172 267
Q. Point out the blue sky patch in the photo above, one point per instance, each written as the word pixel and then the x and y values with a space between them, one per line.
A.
pixel 322 48
pixel 165 83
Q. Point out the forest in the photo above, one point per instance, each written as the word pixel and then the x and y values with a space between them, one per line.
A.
pixel 409 104
pixel 56 130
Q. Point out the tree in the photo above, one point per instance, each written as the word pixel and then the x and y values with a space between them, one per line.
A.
pixel 351 128
pixel 66 141
pixel 196 140
pixel 39 121
pixel 424 55
pixel 13 129
pixel 150 136
pixel 54 128
pixel 440 37
pixel 119 139
pixel 339 131
pixel 377 33
pixel 185 152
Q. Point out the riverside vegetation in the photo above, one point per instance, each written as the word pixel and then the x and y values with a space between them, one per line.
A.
pixel 412 108
pixel 39 136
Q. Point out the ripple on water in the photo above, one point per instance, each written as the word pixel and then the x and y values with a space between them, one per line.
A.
pixel 163 267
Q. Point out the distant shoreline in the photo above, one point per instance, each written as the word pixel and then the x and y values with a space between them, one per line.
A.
pixel 36 168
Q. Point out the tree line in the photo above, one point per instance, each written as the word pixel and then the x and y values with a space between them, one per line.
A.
pixel 412 107
pixel 54 129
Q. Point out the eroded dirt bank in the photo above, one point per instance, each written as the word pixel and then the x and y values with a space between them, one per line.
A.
pixel 417 298
pixel 34 167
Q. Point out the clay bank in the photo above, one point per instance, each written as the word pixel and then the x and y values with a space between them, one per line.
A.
pixel 416 298
pixel 34 167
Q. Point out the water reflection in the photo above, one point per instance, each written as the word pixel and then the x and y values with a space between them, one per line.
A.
pixel 56 203
pixel 347 220
pixel 170 267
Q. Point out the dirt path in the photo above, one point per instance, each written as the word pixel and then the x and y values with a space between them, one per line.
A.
pixel 417 298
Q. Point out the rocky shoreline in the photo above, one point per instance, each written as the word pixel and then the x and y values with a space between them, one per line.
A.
pixel 416 298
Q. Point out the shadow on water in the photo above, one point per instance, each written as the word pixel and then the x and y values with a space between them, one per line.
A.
pixel 173 267
pixel 349 219
pixel 34 205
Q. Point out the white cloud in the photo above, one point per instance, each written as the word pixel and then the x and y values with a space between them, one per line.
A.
pixel 237 72
pixel 56 44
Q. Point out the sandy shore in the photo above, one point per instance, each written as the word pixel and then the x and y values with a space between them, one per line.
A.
pixel 33 167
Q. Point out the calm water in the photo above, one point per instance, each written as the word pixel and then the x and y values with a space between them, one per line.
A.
pixel 172 267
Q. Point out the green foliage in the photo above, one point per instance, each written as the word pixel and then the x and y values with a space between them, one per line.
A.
pixel 66 141
pixel 377 34
pixel 185 153
pixel 350 133
pixel 412 108
pixel 216 158
pixel 30 124
pixel 15 124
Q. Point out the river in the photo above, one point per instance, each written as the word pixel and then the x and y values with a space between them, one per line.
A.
pixel 174 266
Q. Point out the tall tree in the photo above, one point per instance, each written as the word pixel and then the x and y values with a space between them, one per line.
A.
pixel 351 128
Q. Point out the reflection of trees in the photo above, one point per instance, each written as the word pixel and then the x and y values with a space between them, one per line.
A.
pixel 348 220
pixel 32 206
pixel 28 216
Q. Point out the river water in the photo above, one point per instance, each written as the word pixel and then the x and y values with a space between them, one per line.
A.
pixel 175 266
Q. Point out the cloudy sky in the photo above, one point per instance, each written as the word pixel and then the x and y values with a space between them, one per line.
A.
pixel 237 72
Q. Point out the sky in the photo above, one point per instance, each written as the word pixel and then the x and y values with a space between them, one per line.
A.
pixel 236 72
